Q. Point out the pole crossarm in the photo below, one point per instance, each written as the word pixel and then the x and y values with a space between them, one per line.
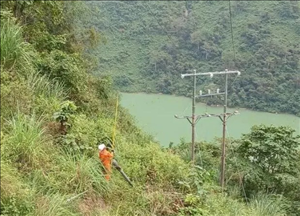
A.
pixel 211 74
pixel 197 117
pixel 207 95
pixel 227 115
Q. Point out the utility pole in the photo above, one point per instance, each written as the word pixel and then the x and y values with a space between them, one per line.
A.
pixel 223 117
pixel 194 118
pixel 222 178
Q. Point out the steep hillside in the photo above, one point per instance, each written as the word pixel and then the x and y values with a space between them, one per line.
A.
pixel 149 44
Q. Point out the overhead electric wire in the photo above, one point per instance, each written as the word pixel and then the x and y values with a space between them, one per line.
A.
pixel 232 44
pixel 232 40
pixel 231 30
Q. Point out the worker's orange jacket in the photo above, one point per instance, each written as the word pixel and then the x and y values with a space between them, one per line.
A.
pixel 106 158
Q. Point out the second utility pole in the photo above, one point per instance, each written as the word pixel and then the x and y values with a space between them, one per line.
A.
pixel 222 177
pixel 193 118
pixel 223 117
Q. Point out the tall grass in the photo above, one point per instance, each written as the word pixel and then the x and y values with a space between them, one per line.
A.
pixel 81 174
pixel 16 196
pixel 70 176
pixel 25 145
pixel 264 204
pixel 54 204
pixel 221 204
pixel 42 85
pixel 11 183
pixel 13 49
pixel 48 94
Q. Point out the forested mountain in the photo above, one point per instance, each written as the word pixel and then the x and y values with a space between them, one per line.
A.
pixel 150 43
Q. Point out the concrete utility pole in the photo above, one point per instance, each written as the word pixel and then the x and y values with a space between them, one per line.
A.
pixel 194 118
pixel 223 117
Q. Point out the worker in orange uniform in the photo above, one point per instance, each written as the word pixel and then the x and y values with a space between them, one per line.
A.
pixel 106 159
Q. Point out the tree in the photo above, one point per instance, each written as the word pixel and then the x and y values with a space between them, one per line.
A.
pixel 197 38
pixel 160 59
pixel 269 158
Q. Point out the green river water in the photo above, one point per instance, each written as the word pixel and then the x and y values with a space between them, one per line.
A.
pixel 154 113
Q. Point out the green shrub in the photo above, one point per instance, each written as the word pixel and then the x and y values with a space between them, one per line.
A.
pixel 67 68
pixel 65 115
pixel 16 95
pixel 85 133
pixel 149 164
pixel 11 182
pixel 15 194
pixel 196 181
pixel 14 206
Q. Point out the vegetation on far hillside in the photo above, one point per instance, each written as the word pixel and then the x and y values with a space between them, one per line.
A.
pixel 54 112
pixel 149 44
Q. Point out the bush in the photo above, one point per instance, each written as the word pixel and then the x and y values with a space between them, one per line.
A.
pixel 67 68
pixel 85 133
pixel 15 195
pixel 269 160
pixel 14 206
pixel 15 94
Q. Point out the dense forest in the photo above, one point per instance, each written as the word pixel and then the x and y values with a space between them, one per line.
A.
pixel 149 44
pixel 57 105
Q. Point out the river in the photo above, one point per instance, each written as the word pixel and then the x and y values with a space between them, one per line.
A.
pixel 154 113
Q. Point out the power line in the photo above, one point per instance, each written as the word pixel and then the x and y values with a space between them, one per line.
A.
pixel 232 40
pixel 233 48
